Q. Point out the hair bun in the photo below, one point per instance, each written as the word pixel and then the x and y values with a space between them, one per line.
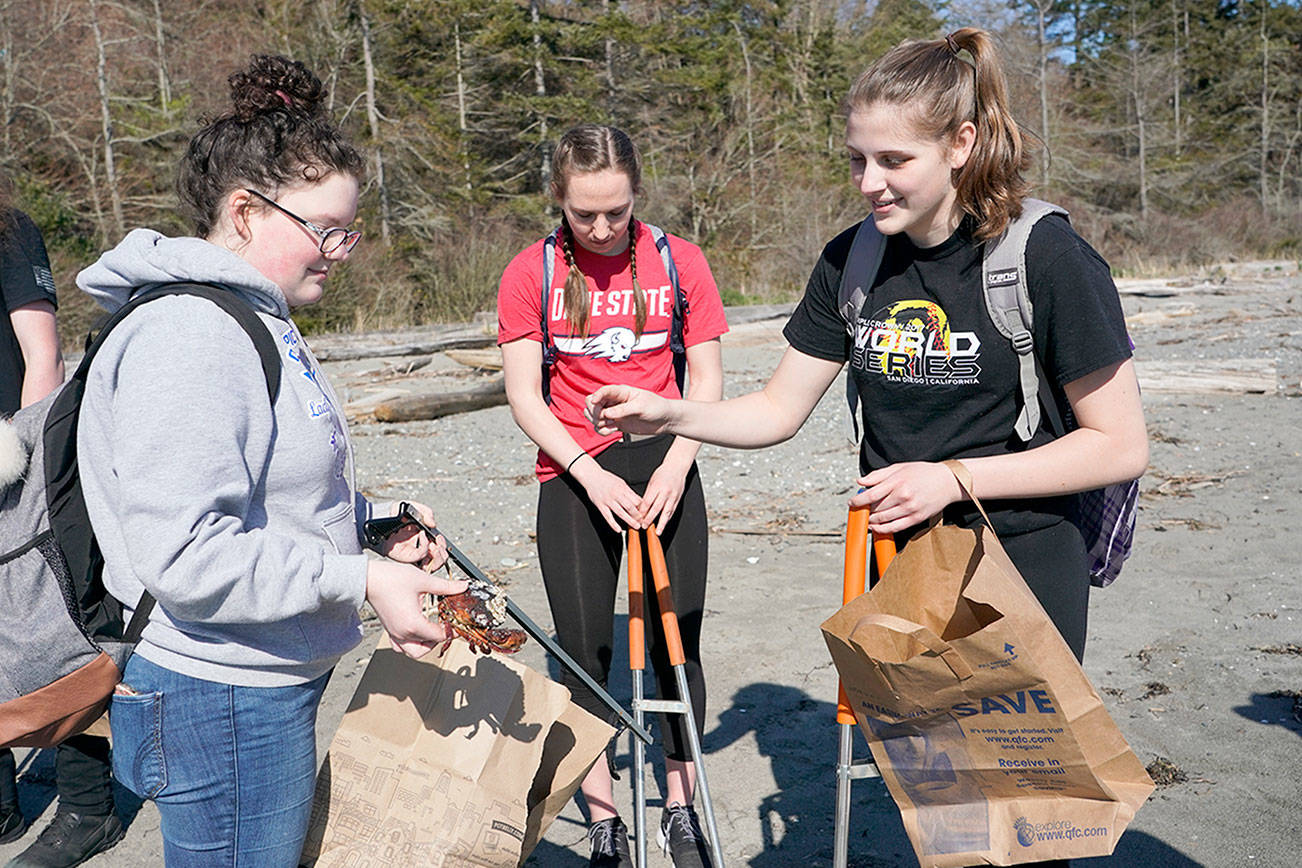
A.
pixel 273 83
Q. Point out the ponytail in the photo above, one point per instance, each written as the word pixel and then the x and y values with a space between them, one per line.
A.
pixel 943 84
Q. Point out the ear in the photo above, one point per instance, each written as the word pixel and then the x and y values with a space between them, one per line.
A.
pixel 235 208
pixel 961 146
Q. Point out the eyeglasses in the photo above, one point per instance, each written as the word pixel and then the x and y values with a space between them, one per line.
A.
pixel 332 238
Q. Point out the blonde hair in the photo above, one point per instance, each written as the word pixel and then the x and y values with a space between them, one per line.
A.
pixel 584 149
pixel 942 89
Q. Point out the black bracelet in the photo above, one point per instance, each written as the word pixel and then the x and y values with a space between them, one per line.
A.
pixel 574 459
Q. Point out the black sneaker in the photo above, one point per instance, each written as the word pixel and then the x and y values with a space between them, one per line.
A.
pixel 70 839
pixel 681 839
pixel 609 839
pixel 12 824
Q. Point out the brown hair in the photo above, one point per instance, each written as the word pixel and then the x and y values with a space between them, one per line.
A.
pixel 942 88
pixel 277 132
pixel 584 149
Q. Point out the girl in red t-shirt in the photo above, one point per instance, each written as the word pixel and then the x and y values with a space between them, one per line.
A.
pixel 609 317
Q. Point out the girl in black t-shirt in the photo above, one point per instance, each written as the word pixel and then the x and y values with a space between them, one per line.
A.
pixel 935 151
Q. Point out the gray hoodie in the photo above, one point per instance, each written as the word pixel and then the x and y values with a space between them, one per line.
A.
pixel 240 517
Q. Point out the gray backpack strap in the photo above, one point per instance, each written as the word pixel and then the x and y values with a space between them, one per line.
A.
pixel 856 280
pixel 1008 301
pixel 677 335
pixel 548 345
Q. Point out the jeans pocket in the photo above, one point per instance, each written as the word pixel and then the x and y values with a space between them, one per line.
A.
pixel 137 725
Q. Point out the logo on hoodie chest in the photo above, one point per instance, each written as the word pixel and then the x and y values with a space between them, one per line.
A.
pixel 319 406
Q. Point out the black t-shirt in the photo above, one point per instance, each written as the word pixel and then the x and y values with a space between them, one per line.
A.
pixel 936 379
pixel 24 278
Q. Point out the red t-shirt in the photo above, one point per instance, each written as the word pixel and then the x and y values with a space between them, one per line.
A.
pixel 608 353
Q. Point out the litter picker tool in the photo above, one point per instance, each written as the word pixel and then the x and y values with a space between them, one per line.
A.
pixel 636 665
pixel 854 579
pixel 407 516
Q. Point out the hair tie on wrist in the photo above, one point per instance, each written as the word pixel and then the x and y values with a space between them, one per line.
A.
pixel 574 459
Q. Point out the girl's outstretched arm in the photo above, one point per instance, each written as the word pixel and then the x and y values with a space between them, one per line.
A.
pixel 665 488
pixel 771 415
pixel 1111 445
pixel 522 369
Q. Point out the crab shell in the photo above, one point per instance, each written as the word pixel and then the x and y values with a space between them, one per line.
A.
pixel 476 615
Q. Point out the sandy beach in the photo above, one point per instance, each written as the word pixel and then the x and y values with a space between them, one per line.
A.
pixel 1196 650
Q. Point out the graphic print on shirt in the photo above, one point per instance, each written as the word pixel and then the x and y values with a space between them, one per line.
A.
pixel 911 341
pixel 615 344
pixel 321 408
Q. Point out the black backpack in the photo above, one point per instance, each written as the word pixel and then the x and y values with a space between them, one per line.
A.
pixel 63 644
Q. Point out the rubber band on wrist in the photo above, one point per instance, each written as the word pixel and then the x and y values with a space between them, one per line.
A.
pixel 573 460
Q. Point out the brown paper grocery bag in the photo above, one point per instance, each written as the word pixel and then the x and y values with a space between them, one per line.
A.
pixel 461 760
pixel 986 730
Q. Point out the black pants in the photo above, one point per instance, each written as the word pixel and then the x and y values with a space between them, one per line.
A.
pixel 83 776
pixel 580 558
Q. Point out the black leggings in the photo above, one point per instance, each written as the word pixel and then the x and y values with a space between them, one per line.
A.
pixel 580 558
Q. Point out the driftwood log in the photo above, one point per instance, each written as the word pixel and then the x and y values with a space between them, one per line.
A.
pixel 413 407
pixel 1242 376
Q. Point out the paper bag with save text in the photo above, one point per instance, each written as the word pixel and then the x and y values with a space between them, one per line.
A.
pixel 985 728
pixel 460 760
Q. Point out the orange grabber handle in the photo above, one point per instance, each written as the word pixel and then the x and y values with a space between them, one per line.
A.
pixel 855 577
pixel 636 640
pixel 664 598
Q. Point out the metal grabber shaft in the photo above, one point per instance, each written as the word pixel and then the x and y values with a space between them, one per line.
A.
pixel 678 660
pixel 853 581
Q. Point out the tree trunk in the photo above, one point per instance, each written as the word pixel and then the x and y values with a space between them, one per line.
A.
pixel 106 121
pixel 160 46
pixel 463 126
pixel 750 134
pixel 606 6
pixel 373 121
pixel 1264 175
pixel 1043 71
pixel 540 89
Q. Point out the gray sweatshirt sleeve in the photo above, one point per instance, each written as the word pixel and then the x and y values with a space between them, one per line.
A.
pixel 179 452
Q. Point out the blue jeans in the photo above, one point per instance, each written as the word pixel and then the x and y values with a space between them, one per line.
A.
pixel 232 769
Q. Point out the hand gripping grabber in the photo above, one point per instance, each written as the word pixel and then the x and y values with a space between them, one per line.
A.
pixel 636 665
pixel 856 564
pixel 377 529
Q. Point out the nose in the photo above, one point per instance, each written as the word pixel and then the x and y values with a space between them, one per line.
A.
pixel 600 228
pixel 339 254
pixel 870 180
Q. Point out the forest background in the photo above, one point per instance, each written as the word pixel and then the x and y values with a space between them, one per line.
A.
pixel 1172 129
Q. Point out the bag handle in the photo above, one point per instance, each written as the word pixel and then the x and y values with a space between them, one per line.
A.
pixel 925 637
pixel 964 477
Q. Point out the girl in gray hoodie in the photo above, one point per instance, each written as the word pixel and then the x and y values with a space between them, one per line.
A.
pixel 240 516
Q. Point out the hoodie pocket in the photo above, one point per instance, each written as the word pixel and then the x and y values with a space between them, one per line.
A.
pixel 340 525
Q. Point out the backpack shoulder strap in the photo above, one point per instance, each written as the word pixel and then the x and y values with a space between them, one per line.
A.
pixel 1008 301
pixel 857 278
pixel 548 345
pixel 232 304
pixel 677 343
pixel 67 508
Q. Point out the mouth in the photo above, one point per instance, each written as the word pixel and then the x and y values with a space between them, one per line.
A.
pixel 884 204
